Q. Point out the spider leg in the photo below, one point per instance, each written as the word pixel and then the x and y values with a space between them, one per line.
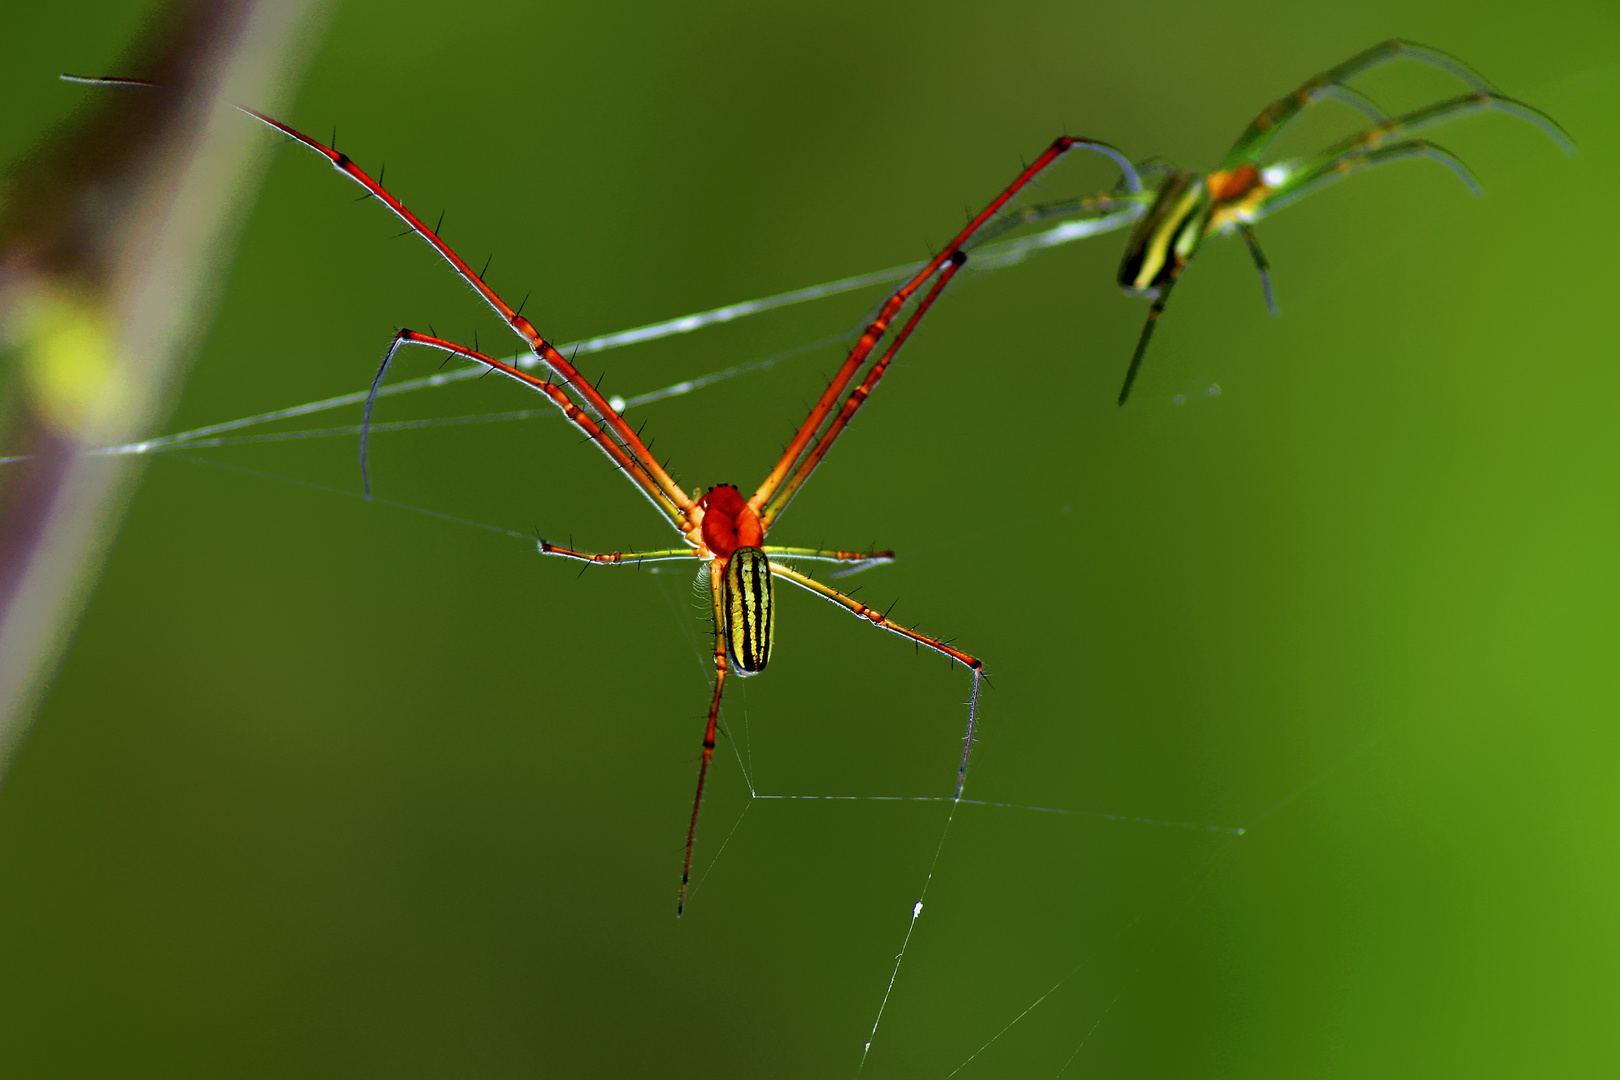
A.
pixel 621 558
pixel 1402 127
pixel 1147 330
pixel 878 619
pixel 1367 148
pixel 648 467
pixel 1098 205
pixel 1356 100
pixel 823 555
pixel 1261 263
pixel 564 370
pixel 801 442
pixel 858 396
pixel 1264 130
pixel 629 463
pixel 715 571
pixel 1308 181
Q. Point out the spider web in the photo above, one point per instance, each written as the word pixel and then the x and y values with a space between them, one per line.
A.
pixel 964 822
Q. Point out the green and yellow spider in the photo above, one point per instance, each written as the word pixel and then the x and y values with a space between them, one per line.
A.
pixel 1187 208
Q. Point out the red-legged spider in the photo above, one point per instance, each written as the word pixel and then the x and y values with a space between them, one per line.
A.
pixel 719 526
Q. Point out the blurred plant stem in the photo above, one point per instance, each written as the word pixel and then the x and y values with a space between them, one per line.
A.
pixel 113 237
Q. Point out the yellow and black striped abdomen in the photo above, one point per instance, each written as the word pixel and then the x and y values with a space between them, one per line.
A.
pixel 750 613
pixel 1167 235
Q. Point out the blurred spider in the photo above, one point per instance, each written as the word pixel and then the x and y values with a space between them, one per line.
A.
pixel 1187 208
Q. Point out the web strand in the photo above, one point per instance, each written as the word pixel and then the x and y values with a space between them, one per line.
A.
pixel 905 943
pixel 987 259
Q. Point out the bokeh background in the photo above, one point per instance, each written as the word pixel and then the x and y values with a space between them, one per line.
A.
pixel 335 788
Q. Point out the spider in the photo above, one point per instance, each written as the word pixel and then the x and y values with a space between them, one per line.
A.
pixel 1186 209
pixel 717 526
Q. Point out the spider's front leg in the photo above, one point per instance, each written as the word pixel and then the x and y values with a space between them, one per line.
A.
pixel 1265 129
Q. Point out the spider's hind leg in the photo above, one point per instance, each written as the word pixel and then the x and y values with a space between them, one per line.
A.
pixel 720 665
pixel 883 622
pixel 1147 331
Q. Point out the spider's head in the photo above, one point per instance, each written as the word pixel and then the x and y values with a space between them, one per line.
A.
pixel 1167 235
pixel 729 522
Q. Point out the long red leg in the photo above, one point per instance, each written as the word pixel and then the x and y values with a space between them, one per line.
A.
pixel 716 570
pixel 891 307
pixel 857 397
pixel 631 466
pixel 670 492
pixel 523 327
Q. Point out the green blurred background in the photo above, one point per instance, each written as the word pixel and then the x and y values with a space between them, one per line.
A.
pixel 335 789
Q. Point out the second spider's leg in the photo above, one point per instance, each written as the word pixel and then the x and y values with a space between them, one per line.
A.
pixel 1307 181
pixel 1361 149
pixel 716 585
pixel 1261 263
pixel 1147 330
pixel 878 619
pixel 1264 130
pixel 1099 205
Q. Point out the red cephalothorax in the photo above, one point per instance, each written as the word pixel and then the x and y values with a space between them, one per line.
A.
pixel 729 522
